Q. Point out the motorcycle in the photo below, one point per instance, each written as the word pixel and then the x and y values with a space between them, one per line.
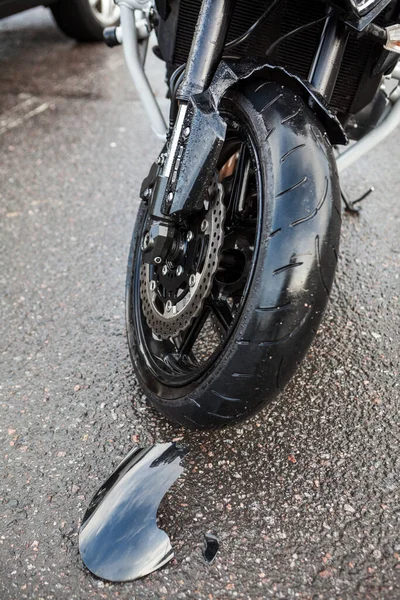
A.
pixel 236 238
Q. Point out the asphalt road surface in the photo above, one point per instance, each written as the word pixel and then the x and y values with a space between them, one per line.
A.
pixel 304 497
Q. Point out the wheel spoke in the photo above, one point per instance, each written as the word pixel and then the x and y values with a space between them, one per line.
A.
pixel 221 311
pixel 107 7
pixel 193 333
pixel 105 11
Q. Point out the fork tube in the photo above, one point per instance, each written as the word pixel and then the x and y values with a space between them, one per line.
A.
pixel 207 46
pixel 328 59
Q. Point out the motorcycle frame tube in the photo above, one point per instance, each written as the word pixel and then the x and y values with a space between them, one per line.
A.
pixel 207 47
pixel 328 59
pixel 134 63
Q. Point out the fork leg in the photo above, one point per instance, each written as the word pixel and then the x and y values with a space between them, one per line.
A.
pixel 207 46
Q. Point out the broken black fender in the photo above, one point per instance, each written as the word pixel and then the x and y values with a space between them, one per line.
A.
pixel 231 73
pixel 119 539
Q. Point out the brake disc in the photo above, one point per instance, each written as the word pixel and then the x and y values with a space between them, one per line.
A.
pixel 171 299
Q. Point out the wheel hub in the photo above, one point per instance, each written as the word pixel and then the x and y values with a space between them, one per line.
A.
pixel 173 292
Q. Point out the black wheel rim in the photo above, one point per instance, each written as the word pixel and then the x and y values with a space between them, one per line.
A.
pixel 183 360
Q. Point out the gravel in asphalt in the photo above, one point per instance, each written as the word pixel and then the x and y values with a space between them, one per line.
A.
pixel 304 497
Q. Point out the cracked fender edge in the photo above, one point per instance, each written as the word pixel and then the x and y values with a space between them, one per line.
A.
pixel 119 539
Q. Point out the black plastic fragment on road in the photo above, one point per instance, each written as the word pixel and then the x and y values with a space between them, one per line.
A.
pixel 119 539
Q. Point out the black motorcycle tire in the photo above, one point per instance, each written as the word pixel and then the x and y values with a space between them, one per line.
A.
pixel 76 19
pixel 293 271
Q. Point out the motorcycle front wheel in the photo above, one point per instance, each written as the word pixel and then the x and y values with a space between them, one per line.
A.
pixel 270 270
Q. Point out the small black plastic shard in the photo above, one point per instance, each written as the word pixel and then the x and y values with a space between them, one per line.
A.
pixel 211 546
pixel 119 539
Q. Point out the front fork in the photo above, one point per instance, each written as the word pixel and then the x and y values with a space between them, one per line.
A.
pixel 205 55
pixel 207 47
pixel 175 187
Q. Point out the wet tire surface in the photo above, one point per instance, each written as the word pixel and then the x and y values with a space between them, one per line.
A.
pixel 303 497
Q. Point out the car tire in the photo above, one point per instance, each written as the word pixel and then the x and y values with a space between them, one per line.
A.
pixel 80 20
